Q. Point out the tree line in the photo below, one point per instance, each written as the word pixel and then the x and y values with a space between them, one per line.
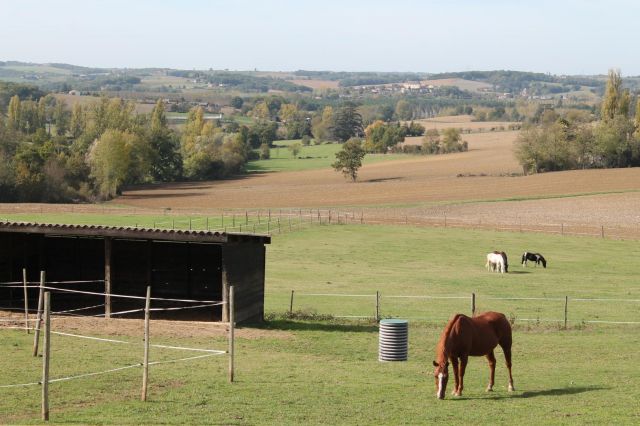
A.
pixel 575 142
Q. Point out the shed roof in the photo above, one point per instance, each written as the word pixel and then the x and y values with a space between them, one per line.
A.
pixel 126 232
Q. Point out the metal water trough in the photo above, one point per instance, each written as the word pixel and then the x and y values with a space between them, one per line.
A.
pixel 394 340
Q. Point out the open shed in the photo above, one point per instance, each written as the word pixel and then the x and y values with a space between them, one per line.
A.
pixel 194 265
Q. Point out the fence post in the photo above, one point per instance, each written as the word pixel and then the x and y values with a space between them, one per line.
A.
pixel 145 362
pixel 602 231
pixel 291 303
pixel 566 303
pixel 361 217
pixel 246 217
pixel 562 229
pixel 26 299
pixel 445 220
pixel 46 352
pixel 36 337
pixel 473 304
pixel 232 325
pixel 377 306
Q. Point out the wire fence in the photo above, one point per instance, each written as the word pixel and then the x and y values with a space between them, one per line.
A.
pixel 278 221
pixel 43 323
pixel 562 310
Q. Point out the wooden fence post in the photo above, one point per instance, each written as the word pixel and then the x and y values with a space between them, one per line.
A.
pixel 566 303
pixel 602 231
pixel 445 220
pixel 232 325
pixel 473 304
pixel 291 302
pixel 562 229
pixel 377 306
pixel 26 300
pixel 46 354
pixel 145 361
pixel 36 337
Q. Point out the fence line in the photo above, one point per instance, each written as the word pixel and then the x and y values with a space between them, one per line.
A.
pixel 278 221
pixel 473 300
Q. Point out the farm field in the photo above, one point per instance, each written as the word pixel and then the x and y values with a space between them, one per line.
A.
pixel 319 371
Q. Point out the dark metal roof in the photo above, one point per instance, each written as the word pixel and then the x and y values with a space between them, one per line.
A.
pixel 126 232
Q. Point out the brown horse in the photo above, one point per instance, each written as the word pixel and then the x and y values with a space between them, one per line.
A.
pixel 477 336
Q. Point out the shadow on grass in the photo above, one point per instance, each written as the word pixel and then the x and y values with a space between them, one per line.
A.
pixel 519 272
pixel 289 325
pixel 534 394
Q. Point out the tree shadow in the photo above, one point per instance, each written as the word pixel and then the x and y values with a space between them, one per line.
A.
pixel 382 179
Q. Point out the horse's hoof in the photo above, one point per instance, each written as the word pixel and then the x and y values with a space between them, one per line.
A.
pixel 511 388
pixel 489 389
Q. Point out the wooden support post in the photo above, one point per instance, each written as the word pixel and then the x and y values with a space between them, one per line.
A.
pixel 36 337
pixel 473 304
pixel 269 215
pixel 562 229
pixel 602 231
pixel 225 295
pixel 377 306
pixel 232 326
pixel 246 217
pixel 222 219
pixel 566 306
pixel 46 355
pixel 291 302
pixel 107 277
pixel 26 299
pixel 189 223
pixel 145 361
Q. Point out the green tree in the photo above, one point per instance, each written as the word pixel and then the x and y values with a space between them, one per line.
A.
pixel 349 158
pixel 265 151
pixel 237 102
pixel 404 110
pixel 110 159
pixel 616 101
pixel 14 119
pixel 347 123
pixel 295 148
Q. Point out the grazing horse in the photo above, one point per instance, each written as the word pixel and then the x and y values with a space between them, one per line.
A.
pixel 534 257
pixel 464 337
pixel 497 261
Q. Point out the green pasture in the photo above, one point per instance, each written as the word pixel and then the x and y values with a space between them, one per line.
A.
pixel 310 157
pixel 309 369
pixel 328 373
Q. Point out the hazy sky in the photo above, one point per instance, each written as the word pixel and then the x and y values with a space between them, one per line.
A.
pixel 556 36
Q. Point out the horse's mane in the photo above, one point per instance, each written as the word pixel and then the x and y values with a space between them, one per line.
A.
pixel 441 348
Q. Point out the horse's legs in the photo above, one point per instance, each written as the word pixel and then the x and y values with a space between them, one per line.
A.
pixel 454 364
pixel 506 348
pixel 492 370
pixel 463 366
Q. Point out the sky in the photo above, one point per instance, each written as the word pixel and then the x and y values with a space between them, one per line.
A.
pixel 557 37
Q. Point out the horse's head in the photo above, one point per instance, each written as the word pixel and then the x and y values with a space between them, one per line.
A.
pixel 441 375
pixel 543 260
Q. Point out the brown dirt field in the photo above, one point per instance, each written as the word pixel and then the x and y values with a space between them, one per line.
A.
pixel 317 84
pixel 462 122
pixel 134 327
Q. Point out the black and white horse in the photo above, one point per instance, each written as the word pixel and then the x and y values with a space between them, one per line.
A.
pixel 534 257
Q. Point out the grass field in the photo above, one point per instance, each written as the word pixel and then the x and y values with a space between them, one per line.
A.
pixel 326 371
pixel 311 157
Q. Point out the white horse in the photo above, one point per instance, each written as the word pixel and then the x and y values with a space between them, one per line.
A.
pixel 495 263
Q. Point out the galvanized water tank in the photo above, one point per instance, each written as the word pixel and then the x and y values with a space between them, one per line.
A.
pixel 394 340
